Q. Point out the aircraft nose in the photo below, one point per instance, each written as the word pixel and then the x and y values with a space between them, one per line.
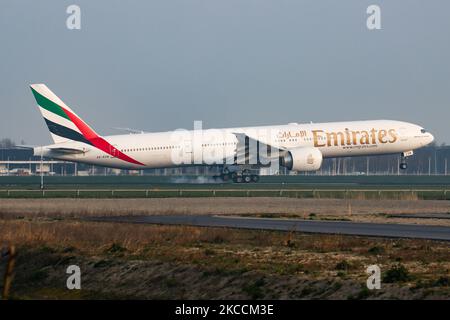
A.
pixel 431 138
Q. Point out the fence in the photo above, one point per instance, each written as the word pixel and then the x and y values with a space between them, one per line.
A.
pixel 336 193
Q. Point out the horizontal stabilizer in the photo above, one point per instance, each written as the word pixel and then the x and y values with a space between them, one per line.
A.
pixel 22 146
pixel 67 150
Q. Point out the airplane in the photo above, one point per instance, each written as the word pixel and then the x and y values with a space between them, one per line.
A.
pixel 239 152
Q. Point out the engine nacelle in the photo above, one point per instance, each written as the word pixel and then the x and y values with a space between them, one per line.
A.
pixel 302 159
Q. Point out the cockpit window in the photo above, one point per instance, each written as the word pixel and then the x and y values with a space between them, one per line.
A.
pixel 423 130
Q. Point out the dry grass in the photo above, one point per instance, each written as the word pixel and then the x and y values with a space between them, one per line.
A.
pixel 361 210
pixel 94 238
pixel 214 262
pixel 122 260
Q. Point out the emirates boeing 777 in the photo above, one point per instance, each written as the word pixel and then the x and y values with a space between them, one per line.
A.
pixel 238 151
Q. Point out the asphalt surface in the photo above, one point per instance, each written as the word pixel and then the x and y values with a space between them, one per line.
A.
pixel 310 226
pixel 421 216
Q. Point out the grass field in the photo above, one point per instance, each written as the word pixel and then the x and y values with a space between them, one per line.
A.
pixel 358 210
pixel 202 181
pixel 341 187
pixel 408 194
pixel 170 262
pixel 125 261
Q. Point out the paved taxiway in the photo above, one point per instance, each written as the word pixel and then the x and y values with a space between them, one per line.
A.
pixel 330 227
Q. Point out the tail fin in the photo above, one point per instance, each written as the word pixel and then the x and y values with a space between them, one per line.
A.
pixel 63 123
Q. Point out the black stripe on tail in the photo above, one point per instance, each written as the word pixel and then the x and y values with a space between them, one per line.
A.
pixel 65 132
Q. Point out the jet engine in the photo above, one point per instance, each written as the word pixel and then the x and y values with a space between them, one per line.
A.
pixel 302 159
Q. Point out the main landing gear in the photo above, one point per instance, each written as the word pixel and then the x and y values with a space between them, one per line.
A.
pixel 239 176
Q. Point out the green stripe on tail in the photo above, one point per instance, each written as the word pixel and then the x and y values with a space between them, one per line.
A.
pixel 49 105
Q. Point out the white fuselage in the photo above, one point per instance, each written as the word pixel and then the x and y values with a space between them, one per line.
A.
pixel 209 146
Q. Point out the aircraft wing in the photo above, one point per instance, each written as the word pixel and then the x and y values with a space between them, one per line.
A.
pixel 253 151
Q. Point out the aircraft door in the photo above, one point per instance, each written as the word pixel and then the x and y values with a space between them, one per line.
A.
pixel 113 150
pixel 188 155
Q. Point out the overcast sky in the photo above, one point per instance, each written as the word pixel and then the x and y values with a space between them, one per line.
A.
pixel 161 64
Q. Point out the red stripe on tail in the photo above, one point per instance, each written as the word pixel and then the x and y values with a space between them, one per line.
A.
pixel 98 141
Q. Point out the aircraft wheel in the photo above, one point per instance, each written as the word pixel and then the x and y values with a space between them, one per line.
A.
pixel 238 179
pixel 247 179
pixel 403 166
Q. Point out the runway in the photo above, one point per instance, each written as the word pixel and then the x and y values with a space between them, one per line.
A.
pixel 420 216
pixel 298 225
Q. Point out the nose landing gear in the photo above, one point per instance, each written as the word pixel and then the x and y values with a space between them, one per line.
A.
pixel 403 165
